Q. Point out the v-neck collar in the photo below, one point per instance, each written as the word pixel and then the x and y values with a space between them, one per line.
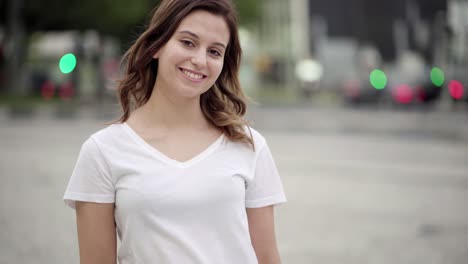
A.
pixel 163 157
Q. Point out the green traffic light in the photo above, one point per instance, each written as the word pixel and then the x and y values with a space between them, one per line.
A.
pixel 437 77
pixel 378 79
pixel 67 63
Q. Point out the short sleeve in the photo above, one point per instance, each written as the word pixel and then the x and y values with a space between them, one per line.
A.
pixel 91 179
pixel 265 188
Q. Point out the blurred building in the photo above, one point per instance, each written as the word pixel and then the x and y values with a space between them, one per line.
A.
pixel 338 34
pixel 298 22
pixel 373 21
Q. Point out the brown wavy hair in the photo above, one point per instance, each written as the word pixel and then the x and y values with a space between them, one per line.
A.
pixel 224 104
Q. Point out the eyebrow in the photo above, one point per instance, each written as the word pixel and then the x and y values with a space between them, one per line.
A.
pixel 196 36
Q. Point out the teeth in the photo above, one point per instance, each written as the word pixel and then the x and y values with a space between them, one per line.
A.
pixel 192 75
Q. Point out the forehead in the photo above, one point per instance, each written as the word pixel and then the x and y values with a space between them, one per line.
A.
pixel 207 26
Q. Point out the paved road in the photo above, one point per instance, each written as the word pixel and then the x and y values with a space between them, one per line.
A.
pixel 363 186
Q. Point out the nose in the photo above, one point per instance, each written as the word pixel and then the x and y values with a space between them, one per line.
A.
pixel 199 58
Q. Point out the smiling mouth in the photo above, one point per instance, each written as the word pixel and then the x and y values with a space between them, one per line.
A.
pixel 192 75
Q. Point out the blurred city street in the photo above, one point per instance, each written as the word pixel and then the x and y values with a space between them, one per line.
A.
pixel 363 186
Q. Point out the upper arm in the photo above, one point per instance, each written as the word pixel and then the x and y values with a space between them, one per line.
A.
pixel 262 233
pixel 96 233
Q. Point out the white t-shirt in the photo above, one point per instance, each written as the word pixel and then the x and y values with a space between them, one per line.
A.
pixel 168 211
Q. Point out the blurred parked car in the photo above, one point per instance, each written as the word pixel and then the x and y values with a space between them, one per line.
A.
pixel 410 82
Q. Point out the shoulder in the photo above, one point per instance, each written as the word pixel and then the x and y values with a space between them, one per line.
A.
pixel 106 137
pixel 257 138
pixel 109 133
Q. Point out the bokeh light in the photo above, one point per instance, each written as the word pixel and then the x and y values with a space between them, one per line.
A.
pixel 66 91
pixel 437 77
pixel 403 94
pixel 351 88
pixel 420 94
pixel 456 89
pixel 67 63
pixel 309 70
pixel 378 79
pixel 47 90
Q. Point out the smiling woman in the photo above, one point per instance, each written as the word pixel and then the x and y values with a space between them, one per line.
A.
pixel 225 104
pixel 180 177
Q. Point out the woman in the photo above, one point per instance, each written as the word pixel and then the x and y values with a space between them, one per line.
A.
pixel 180 178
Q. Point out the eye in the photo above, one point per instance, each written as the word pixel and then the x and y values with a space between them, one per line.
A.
pixel 215 53
pixel 187 43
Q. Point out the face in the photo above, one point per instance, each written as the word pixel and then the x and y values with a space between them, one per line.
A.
pixel 192 60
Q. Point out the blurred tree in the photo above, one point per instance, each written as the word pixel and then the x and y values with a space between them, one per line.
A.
pixel 114 17
pixel 248 11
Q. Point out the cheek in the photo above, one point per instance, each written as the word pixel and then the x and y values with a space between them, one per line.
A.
pixel 217 67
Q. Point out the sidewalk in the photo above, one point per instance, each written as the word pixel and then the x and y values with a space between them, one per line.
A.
pixel 443 124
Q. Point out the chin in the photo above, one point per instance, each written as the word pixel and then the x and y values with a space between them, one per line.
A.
pixel 192 93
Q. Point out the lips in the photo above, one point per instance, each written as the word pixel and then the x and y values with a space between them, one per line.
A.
pixel 192 75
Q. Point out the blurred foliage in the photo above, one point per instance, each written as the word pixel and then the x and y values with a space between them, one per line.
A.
pixel 114 17
pixel 248 11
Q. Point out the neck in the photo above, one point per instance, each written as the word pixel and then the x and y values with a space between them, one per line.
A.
pixel 171 112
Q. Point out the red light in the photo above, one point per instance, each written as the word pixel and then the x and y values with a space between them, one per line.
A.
pixel 403 94
pixel 352 88
pixel 66 91
pixel 456 89
pixel 420 94
pixel 47 90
